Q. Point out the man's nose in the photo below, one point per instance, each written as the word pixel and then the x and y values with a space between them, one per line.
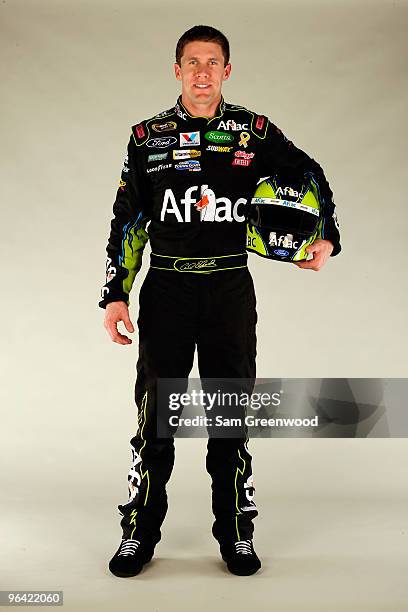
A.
pixel 202 70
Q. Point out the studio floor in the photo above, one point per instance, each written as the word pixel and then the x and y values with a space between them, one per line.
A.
pixel 332 533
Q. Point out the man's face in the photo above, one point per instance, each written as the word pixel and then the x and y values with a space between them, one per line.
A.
pixel 202 72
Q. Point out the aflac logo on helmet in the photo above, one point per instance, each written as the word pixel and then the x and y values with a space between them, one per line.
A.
pixel 284 217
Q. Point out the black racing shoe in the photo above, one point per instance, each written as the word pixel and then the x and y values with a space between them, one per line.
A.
pixel 130 558
pixel 240 557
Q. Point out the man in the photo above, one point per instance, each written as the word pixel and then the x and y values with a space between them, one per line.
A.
pixel 188 173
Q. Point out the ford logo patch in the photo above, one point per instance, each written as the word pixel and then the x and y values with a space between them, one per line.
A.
pixel 281 252
pixel 161 143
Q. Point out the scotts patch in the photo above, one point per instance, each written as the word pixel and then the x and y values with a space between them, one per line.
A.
pixel 161 143
pixel 164 127
pixel 214 136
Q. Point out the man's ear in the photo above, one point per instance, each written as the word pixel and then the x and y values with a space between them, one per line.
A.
pixel 227 72
pixel 177 71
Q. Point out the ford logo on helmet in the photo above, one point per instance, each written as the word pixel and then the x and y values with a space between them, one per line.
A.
pixel 281 252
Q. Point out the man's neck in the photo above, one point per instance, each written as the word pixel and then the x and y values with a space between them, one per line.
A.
pixel 201 110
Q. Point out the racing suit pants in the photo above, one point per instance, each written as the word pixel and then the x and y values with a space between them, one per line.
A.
pixel 178 312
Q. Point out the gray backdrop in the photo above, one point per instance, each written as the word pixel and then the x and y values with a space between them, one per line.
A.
pixel 75 76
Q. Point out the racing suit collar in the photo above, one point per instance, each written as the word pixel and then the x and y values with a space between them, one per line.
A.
pixel 183 113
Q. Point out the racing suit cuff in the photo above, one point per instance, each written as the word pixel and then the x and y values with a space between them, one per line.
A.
pixel 119 298
pixel 336 247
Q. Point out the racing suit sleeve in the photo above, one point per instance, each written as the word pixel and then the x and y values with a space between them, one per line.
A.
pixel 128 236
pixel 279 153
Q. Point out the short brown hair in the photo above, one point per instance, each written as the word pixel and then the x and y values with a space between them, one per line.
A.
pixel 206 34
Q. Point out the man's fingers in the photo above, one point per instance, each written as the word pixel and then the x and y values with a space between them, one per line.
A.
pixel 121 339
pixel 321 250
pixel 116 312
pixel 111 326
pixel 128 324
pixel 114 333
pixel 313 264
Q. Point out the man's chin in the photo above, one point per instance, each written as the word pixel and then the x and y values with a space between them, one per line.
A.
pixel 205 97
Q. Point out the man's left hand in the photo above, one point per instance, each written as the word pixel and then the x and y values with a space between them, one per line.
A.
pixel 321 251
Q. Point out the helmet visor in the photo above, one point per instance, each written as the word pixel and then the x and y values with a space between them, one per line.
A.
pixel 284 215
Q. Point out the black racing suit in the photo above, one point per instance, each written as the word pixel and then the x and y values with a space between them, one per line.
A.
pixel 186 180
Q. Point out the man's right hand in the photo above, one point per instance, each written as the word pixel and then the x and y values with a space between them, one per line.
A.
pixel 115 312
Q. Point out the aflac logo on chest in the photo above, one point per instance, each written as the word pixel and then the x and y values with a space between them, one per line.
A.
pixel 232 125
pixel 210 207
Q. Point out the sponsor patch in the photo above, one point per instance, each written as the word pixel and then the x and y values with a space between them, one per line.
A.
pixel 110 274
pixel 212 209
pixel 202 203
pixel 157 156
pixel 189 139
pixel 244 137
pixel 122 185
pixel 161 143
pixel 185 153
pixel 288 191
pixel 281 252
pixel 219 149
pixel 286 241
pixel 179 112
pixel 244 154
pixel 140 131
pixel 232 125
pixel 239 161
pixel 190 164
pixel 164 127
pixel 260 122
pixel 162 114
pixel 215 136
pixel 159 167
pixel 125 164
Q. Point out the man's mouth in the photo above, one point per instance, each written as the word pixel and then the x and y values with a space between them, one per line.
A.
pixel 202 85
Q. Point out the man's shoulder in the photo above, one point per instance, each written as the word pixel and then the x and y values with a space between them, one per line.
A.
pixel 242 118
pixel 159 125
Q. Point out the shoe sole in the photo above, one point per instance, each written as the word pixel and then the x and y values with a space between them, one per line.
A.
pixel 120 574
pixel 247 573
